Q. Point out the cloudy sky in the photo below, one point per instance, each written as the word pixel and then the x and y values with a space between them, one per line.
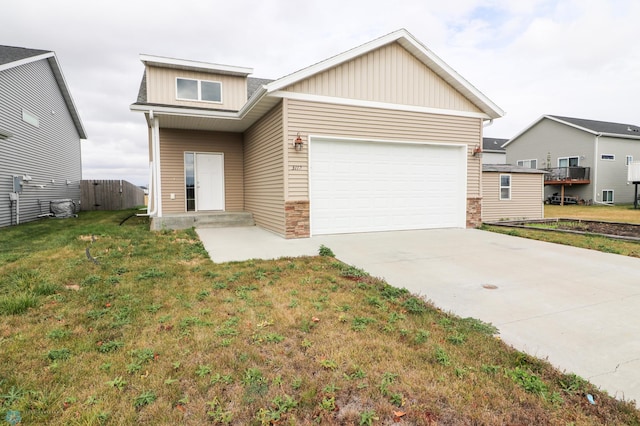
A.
pixel 578 58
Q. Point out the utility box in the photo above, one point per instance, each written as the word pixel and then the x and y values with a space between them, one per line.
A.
pixel 17 184
pixel 13 196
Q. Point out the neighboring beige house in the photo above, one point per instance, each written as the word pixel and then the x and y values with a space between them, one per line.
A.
pixel 512 193
pixel 382 137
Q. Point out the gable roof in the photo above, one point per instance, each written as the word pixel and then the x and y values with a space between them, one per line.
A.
pixel 11 57
pixel 494 145
pixel 413 46
pixel 594 127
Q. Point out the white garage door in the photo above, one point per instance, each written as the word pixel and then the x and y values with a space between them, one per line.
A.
pixel 359 186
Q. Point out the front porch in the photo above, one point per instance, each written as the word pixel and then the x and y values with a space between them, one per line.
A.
pixel 202 220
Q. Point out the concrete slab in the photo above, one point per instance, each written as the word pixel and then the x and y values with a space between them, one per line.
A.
pixel 576 307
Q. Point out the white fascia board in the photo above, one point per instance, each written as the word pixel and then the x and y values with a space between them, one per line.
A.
pixel 619 136
pixel 379 105
pixel 66 94
pixel 161 61
pixel 417 49
pixel 26 61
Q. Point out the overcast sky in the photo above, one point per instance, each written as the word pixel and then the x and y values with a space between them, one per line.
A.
pixel 578 58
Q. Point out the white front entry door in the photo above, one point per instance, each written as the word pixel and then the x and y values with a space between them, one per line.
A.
pixel 209 182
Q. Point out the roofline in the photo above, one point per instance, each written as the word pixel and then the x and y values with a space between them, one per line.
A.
pixel 162 61
pixel 24 61
pixel 416 48
pixel 584 129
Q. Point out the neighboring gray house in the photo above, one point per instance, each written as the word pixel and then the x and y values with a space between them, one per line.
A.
pixel 40 132
pixel 493 152
pixel 586 159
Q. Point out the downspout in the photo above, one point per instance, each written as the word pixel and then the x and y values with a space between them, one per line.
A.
pixel 154 168
pixel 155 136
pixel 595 170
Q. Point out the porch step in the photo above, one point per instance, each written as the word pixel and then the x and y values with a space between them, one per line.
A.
pixel 224 220
pixel 202 220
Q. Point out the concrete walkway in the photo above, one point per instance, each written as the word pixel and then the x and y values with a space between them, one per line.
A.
pixel 578 308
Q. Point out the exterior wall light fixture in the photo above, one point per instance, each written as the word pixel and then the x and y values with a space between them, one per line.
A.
pixel 297 144
pixel 477 151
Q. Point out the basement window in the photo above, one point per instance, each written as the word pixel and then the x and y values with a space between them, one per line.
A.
pixel 607 196
pixel 628 160
pixel 198 90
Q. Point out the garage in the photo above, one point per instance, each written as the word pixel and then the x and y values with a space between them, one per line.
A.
pixel 366 186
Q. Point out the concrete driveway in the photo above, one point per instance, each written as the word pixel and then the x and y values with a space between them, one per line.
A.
pixel 578 308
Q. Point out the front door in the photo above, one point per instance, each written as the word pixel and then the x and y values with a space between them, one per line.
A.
pixel 209 182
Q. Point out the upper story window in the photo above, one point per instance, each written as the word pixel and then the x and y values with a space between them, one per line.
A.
pixel 568 161
pixel 198 90
pixel 532 164
pixel 608 157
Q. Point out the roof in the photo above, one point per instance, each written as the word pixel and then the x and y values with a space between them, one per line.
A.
pixel 508 168
pixel 264 94
pixel 594 127
pixel 11 57
pixel 417 49
pixel 494 145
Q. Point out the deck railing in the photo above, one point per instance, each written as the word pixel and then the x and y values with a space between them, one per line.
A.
pixel 567 174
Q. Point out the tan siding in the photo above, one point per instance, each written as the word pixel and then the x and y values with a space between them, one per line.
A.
pixel 264 171
pixel 389 74
pixel 526 197
pixel 161 88
pixel 310 118
pixel 174 143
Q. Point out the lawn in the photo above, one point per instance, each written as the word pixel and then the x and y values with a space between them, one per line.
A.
pixel 618 213
pixel 104 323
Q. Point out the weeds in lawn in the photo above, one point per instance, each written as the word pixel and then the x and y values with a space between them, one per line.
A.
pixel 145 337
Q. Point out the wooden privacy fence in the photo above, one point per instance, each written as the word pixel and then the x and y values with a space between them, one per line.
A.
pixel 109 195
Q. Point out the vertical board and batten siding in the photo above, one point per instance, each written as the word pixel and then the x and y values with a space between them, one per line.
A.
pixel 110 195
pixel 50 153
pixel 527 197
pixel 175 142
pixel 371 124
pixel 264 171
pixel 161 88
pixel 389 74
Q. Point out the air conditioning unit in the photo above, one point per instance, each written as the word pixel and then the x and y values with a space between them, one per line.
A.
pixel 633 172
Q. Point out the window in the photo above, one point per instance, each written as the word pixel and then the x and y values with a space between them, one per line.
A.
pixel 505 187
pixel 568 162
pixel 189 178
pixel 30 118
pixel 607 196
pixel 198 90
pixel 628 160
pixel 532 164
pixel 608 157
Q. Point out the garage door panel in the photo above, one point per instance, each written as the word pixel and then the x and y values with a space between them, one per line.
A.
pixel 368 186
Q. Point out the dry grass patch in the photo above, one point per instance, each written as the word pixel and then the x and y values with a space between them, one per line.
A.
pixel 157 334
pixel 618 213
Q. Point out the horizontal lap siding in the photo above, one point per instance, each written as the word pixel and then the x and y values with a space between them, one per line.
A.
pixel 322 119
pixel 389 74
pixel 50 153
pixel 174 143
pixel 526 197
pixel 264 171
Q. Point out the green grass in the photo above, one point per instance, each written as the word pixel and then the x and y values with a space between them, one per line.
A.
pixel 618 213
pixel 155 333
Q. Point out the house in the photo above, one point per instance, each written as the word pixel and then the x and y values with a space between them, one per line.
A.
pixel 587 160
pixel 512 192
pixel 384 136
pixel 493 152
pixel 40 133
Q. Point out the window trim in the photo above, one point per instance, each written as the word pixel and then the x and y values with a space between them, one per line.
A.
pixel 612 196
pixel 505 186
pixel 528 161
pixel 577 157
pixel 613 157
pixel 199 82
pixel 628 160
